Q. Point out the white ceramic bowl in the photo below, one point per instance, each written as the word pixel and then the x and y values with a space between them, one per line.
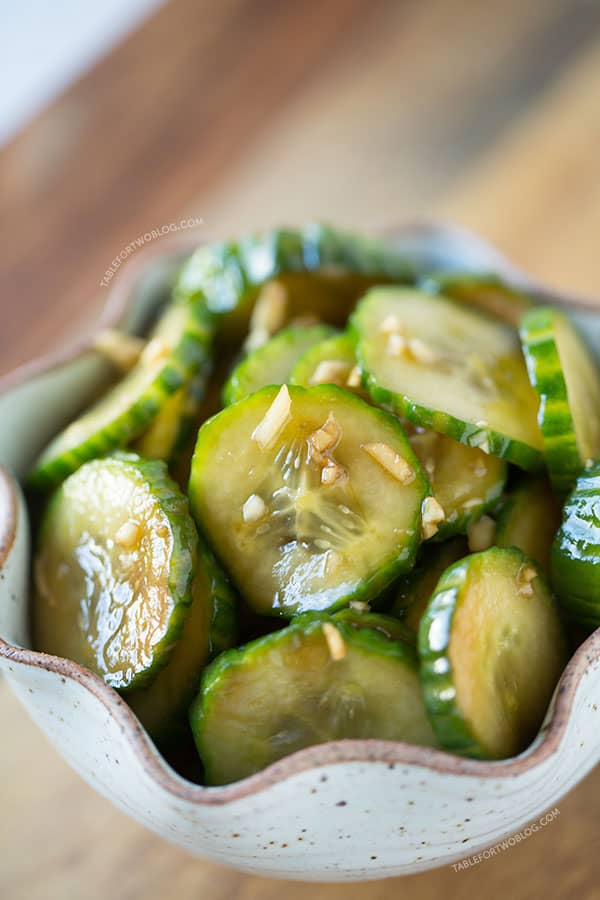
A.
pixel 348 810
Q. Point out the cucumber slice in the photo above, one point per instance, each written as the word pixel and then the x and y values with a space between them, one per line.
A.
pixel 392 628
pixel 332 361
pixel 323 271
pixel 315 681
pixel 566 377
pixel 209 628
pixel 114 568
pixel 448 369
pixel 413 591
pixel 465 481
pixel 273 362
pixel 576 552
pixel 170 432
pixel 486 292
pixel 529 519
pixel 492 651
pixel 211 404
pixel 287 486
pixel 178 347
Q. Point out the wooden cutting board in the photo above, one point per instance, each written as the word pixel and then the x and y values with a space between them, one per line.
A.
pixel 248 113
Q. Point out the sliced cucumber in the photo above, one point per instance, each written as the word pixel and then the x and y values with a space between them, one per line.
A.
pixel 485 292
pixel 322 270
pixel 390 626
pixel 332 361
pixel 209 628
pixel 492 651
pixel 169 433
pixel 114 568
pixel 310 497
pixel 178 347
pixel 211 404
pixel 465 481
pixel 413 591
pixel 315 681
pixel 273 362
pixel 566 377
pixel 448 369
pixel 576 552
pixel 529 519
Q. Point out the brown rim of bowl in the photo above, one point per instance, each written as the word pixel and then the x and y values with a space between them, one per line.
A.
pixel 390 753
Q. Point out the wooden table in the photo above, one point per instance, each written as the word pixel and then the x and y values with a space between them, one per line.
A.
pixel 247 113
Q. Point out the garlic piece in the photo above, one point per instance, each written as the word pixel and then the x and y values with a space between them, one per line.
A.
pixel 127 535
pixel 268 316
pixel 254 508
pixel 354 378
pixel 335 642
pixel 334 473
pixel 391 461
pixel 123 350
pixel 432 513
pixel 330 371
pixel 274 420
pixel 525 576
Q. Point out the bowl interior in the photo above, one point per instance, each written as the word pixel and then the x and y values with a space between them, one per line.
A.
pixel 38 400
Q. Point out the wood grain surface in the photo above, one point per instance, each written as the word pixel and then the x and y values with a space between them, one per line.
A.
pixel 245 113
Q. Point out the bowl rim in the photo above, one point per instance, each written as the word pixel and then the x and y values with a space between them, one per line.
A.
pixel 392 753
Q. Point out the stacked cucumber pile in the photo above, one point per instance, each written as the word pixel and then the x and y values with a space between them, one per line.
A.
pixel 325 503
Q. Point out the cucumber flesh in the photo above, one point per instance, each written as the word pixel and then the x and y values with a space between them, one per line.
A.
pixel 322 271
pixel 465 481
pixel 529 519
pixel 576 552
pixel 169 433
pixel 299 528
pixel 485 292
pixel 315 681
pixel 413 591
pixel 332 361
pixel 178 347
pixel 209 628
pixel 492 650
pixel 567 379
pixel 114 568
pixel 449 369
pixel 273 362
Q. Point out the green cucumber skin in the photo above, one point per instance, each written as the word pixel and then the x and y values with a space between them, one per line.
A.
pixel 222 635
pixel 510 449
pixel 183 557
pixel 546 375
pixel 243 380
pixel 434 558
pixel 195 396
pixel 460 525
pixel 439 693
pixel 451 728
pixel 392 628
pixel 188 356
pixel 575 559
pixel 225 619
pixel 226 275
pixel 303 625
pixel 367 589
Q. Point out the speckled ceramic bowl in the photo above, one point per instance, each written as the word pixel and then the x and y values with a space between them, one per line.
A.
pixel 349 810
